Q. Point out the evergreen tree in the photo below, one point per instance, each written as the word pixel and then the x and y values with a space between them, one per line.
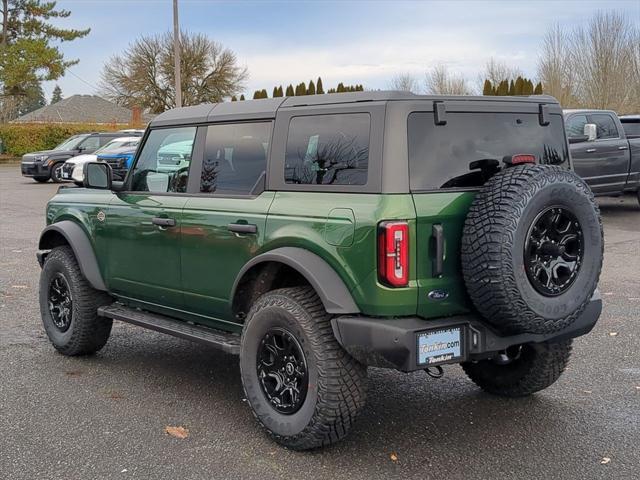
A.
pixel 242 97
pixel 519 86
pixel 57 95
pixel 331 90
pixel 319 89
pixel 311 89
pixel 340 88
pixel 257 94
pixel 538 89
pixel 290 92
pixel 234 99
pixel 301 89
pixel 512 88
pixel 487 89
pixel 32 99
pixel 264 93
pixel 274 94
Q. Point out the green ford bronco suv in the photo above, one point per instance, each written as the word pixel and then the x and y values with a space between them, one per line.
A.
pixel 316 236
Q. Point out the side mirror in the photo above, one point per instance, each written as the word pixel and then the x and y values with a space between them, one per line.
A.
pixel 97 175
pixel 578 139
pixel 591 131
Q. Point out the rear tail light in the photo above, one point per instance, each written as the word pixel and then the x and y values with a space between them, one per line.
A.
pixel 393 253
pixel 520 158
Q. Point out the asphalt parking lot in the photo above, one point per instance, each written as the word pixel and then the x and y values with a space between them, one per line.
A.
pixel 104 416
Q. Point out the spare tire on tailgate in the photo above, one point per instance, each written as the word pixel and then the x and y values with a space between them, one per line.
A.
pixel 532 249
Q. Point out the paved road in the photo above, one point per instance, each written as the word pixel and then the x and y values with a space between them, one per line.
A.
pixel 104 416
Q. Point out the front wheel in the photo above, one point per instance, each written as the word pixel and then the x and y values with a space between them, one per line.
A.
pixel 56 172
pixel 521 370
pixel 303 388
pixel 69 306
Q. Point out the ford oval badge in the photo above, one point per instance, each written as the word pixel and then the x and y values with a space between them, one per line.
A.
pixel 438 295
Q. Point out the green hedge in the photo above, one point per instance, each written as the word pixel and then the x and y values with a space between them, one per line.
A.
pixel 20 138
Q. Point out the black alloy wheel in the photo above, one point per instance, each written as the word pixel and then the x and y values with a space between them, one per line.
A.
pixel 60 302
pixel 553 251
pixel 282 371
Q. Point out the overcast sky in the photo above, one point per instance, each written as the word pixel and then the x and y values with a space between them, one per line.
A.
pixel 354 42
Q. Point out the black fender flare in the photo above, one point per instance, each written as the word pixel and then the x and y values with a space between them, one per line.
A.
pixel 333 293
pixel 81 246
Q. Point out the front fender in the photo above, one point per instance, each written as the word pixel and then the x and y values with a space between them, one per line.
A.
pixel 79 243
pixel 333 293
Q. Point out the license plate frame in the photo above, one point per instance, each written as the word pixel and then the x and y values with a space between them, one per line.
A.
pixel 430 353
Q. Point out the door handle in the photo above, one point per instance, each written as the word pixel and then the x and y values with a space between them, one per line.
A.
pixel 242 228
pixel 437 264
pixel 163 221
pixel 591 150
pixel 623 147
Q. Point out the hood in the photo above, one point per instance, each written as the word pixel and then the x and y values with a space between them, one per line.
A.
pixel 80 159
pixel 50 153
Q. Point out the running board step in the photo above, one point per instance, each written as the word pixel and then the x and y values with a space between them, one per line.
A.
pixel 227 342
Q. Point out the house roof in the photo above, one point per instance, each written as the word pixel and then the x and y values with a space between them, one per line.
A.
pixel 80 109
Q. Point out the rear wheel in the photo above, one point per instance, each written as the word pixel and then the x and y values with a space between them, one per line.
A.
pixel 521 370
pixel 68 305
pixel 41 179
pixel 56 172
pixel 303 388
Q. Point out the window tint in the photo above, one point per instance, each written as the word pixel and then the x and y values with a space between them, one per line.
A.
pixel 90 144
pixel 236 158
pixel 575 125
pixel 470 147
pixel 328 149
pixel 163 165
pixel 606 127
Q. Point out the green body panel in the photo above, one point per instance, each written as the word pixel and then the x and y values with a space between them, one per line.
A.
pixel 212 256
pixel 449 210
pixel 188 271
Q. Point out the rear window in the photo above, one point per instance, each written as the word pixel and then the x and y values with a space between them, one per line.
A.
pixel 470 147
pixel 328 149
pixel 631 128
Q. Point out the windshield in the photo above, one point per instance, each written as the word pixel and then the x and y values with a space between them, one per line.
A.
pixel 115 145
pixel 71 143
pixel 471 146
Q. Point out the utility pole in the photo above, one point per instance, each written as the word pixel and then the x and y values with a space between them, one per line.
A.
pixel 176 53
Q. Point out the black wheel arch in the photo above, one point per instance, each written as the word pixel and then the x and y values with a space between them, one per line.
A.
pixel 68 232
pixel 307 266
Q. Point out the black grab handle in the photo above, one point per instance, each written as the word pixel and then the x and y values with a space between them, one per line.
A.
pixel 437 232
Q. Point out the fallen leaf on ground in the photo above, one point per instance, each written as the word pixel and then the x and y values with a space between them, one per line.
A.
pixel 19 286
pixel 638 387
pixel 178 432
pixel 115 395
pixel 587 391
pixel 605 460
pixel 73 373
pixel 613 334
pixel 608 293
pixel 393 457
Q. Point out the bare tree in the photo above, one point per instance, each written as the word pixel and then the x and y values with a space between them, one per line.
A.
pixel 595 66
pixel 555 69
pixel 144 74
pixel 496 71
pixel 405 82
pixel 439 81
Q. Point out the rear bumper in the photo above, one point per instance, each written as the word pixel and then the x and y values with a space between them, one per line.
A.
pixel 392 343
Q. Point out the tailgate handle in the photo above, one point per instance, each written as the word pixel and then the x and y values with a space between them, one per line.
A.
pixel 437 233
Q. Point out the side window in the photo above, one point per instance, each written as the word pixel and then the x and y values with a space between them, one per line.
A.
pixel 575 125
pixel 605 126
pixel 163 165
pixel 90 144
pixel 235 158
pixel 328 149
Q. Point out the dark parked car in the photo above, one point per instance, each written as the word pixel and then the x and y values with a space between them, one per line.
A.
pixel 603 154
pixel 47 164
pixel 315 236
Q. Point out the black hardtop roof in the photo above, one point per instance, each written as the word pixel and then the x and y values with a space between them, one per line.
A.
pixel 267 108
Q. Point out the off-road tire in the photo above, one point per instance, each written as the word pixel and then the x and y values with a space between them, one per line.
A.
pixel 638 196
pixel 492 249
pixel 56 172
pixel 41 179
pixel 336 386
pixel 538 367
pixel 87 332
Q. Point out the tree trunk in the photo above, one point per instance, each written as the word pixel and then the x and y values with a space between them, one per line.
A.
pixel 5 20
